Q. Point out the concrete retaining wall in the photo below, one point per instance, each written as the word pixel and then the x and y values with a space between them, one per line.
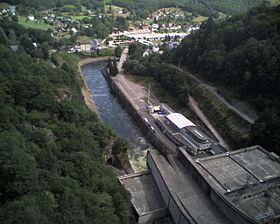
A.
pixel 124 101
pixel 177 211
pixel 150 217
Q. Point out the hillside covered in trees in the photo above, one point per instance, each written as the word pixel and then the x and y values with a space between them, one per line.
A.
pixel 242 53
pixel 48 4
pixel 203 7
pixel 143 8
pixel 52 167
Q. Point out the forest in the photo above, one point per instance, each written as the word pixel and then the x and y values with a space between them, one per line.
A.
pixel 142 8
pixel 102 27
pixel 203 7
pixel 242 53
pixel 48 4
pixel 52 167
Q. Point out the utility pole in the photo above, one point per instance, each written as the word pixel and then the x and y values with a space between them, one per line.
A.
pixel 179 63
pixel 149 93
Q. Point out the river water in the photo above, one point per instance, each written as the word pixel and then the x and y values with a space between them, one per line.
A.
pixel 115 116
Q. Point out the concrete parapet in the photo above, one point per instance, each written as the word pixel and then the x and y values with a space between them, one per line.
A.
pixel 148 218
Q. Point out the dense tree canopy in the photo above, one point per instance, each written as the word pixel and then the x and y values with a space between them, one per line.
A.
pixel 101 27
pixel 204 7
pixel 141 9
pixel 52 168
pixel 47 4
pixel 242 53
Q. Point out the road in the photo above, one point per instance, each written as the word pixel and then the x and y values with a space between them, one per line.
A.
pixel 246 117
pixel 136 94
pixel 204 119
pixel 133 91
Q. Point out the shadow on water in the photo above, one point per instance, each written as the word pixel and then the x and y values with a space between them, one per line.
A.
pixel 115 116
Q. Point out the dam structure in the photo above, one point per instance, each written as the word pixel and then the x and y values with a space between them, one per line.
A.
pixel 192 179
pixel 238 187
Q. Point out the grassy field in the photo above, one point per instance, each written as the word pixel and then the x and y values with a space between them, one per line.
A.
pixel 275 2
pixel 69 6
pixel 106 52
pixel 222 15
pixel 82 39
pixel 200 19
pixel 4 5
pixel 63 35
pixel 75 15
pixel 33 24
pixel 115 10
pixel 78 17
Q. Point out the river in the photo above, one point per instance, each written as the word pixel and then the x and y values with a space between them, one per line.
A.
pixel 115 116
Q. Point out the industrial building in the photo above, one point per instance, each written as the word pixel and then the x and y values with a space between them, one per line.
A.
pixel 201 182
pixel 238 187
pixel 183 132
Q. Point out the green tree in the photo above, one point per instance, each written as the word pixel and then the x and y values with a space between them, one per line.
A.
pixel 120 146
pixel 266 132
pixel 121 23
pixel 45 49
pixel 118 51
pixel 51 159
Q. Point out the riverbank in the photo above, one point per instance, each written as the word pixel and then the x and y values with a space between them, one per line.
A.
pixel 84 89
pixel 121 161
pixel 132 96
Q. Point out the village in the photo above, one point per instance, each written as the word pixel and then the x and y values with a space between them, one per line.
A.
pixel 165 26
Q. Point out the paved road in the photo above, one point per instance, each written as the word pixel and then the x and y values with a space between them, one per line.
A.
pixel 132 90
pixel 246 117
pixel 204 119
pixel 136 94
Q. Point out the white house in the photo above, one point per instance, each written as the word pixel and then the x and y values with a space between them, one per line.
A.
pixel 31 18
pixel 155 27
pixel 74 30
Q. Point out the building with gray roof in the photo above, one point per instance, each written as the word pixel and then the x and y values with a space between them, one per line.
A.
pixel 238 187
pixel 249 179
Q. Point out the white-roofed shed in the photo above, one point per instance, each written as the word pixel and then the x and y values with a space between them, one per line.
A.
pixel 179 120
